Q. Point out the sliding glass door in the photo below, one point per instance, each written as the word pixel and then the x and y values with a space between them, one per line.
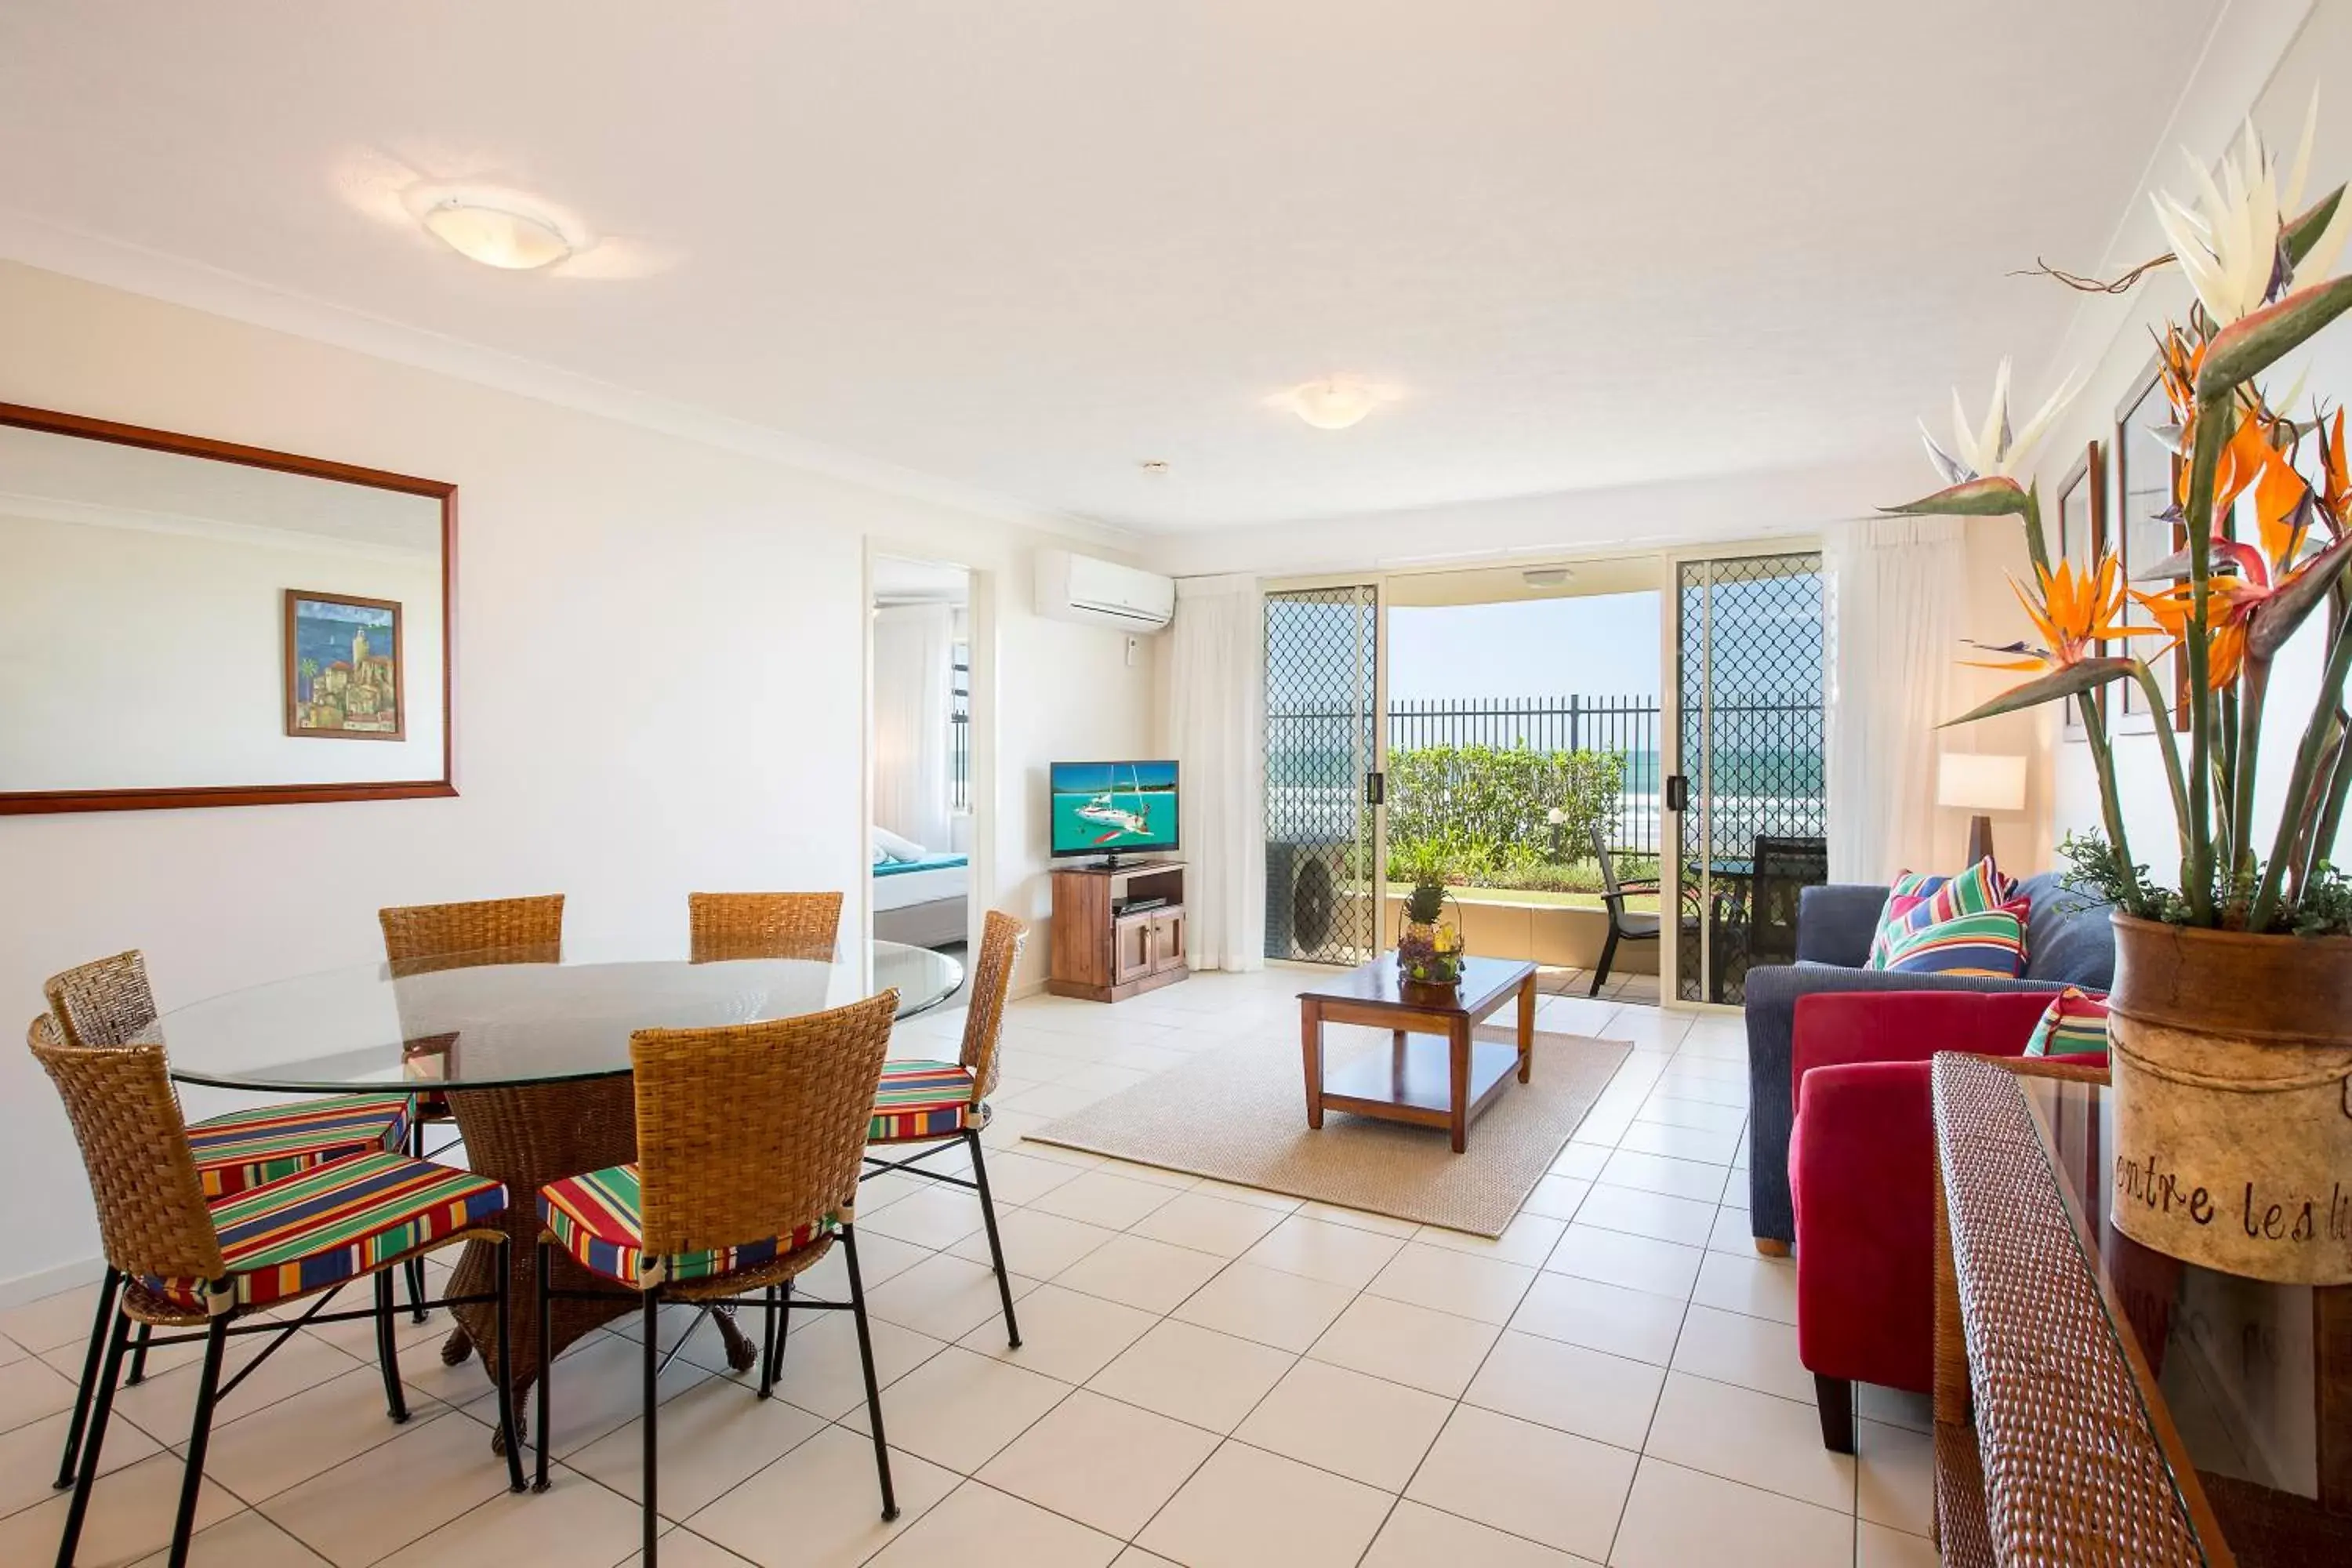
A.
pixel 1324 882
pixel 1746 799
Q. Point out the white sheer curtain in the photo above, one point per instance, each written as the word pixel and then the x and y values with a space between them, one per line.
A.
pixel 914 654
pixel 1216 703
pixel 1896 584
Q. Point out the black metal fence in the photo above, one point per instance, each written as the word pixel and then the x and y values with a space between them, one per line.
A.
pixel 1627 726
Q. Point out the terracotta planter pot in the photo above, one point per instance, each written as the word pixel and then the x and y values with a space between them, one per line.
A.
pixel 2233 1073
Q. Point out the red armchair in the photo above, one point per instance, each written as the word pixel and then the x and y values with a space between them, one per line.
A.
pixel 1861 1170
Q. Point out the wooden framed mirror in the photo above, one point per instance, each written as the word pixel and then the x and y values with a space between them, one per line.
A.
pixel 190 622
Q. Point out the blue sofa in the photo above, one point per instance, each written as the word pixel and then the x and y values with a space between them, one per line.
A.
pixel 2068 941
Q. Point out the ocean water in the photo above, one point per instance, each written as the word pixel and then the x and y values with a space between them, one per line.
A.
pixel 1073 832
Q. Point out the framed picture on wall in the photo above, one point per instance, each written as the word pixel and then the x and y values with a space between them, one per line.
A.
pixel 2083 534
pixel 342 667
pixel 2146 533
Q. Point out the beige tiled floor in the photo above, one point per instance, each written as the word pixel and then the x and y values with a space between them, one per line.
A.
pixel 1211 1377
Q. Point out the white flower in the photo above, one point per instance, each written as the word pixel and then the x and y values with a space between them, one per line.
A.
pixel 1988 449
pixel 2229 243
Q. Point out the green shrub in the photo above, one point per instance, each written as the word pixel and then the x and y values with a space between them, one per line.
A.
pixel 1487 811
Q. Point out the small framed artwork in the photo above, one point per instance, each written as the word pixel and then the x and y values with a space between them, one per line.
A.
pixel 2082 534
pixel 344 674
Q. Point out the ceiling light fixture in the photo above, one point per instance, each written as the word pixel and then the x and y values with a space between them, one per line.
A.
pixel 1335 401
pixel 498 231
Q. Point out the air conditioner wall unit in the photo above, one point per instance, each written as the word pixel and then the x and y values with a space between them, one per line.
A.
pixel 1074 587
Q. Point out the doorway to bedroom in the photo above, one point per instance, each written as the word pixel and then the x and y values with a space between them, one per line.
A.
pixel 920 752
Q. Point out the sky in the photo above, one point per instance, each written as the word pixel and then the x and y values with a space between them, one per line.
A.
pixel 1598 645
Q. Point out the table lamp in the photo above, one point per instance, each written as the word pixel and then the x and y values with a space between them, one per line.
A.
pixel 1974 782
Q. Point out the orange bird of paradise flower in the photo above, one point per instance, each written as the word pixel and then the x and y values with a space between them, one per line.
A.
pixel 2078 611
pixel 2246 577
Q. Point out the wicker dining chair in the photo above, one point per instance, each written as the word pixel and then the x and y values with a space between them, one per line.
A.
pixel 749 1142
pixel 422 938
pixel 221 1270
pixel 763 925
pixel 108 1004
pixel 945 1104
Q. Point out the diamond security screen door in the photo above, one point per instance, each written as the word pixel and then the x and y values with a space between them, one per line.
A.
pixel 1747 793
pixel 1323 898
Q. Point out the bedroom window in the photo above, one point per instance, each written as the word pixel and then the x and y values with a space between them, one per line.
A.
pixel 959 729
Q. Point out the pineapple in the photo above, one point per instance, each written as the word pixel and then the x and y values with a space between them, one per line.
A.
pixel 1429 948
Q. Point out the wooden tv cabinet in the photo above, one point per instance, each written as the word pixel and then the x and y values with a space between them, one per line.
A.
pixel 1104 954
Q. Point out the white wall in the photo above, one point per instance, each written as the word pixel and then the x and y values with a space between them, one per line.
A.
pixel 139 659
pixel 659 652
pixel 2111 341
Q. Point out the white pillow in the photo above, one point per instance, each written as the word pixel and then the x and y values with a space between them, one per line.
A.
pixel 896 847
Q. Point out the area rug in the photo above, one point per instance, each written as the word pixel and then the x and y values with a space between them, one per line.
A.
pixel 1240 1115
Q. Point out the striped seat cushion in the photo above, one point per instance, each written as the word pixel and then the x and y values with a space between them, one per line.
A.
pixel 598 1219
pixel 331 1224
pixel 245 1149
pixel 921 1099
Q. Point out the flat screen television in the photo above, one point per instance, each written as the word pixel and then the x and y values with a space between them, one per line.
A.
pixel 1114 809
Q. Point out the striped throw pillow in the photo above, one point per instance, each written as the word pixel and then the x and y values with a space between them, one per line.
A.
pixel 1917 902
pixel 2075 1025
pixel 1991 943
pixel 1911 890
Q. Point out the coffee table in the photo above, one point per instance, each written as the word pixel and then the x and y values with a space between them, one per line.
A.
pixel 1441 1081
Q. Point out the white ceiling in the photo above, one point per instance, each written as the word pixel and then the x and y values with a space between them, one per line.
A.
pixel 1021 247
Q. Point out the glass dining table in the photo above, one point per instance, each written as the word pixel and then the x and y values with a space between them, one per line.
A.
pixel 530 1048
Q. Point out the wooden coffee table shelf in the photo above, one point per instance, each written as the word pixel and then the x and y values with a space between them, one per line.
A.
pixel 1434 1073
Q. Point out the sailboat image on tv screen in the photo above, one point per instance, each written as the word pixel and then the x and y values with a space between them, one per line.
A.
pixel 1104 812
pixel 1105 807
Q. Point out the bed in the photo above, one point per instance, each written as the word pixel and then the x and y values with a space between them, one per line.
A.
pixel 923 903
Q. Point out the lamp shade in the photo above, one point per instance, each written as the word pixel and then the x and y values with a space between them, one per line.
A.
pixel 1973 781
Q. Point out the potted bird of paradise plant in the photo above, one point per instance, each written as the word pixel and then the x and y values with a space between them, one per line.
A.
pixel 2230 1023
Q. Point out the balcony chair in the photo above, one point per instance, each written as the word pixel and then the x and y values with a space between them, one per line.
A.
pixel 1622 926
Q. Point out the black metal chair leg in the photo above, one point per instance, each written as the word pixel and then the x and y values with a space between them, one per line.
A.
pixel 200 1436
pixel 653 1403
pixel 101 1321
pixel 414 1267
pixel 387 1348
pixel 866 1360
pixel 995 1246
pixel 138 1373
pixel 783 1327
pixel 94 1441
pixel 768 1309
pixel 546 1369
pixel 506 1369
pixel 1600 970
